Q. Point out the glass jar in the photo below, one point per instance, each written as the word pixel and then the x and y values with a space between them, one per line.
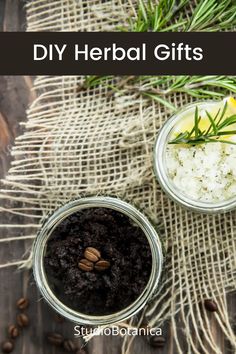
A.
pixel 161 173
pixel 54 221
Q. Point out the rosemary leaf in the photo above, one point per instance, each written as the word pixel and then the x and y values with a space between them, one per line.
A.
pixel 160 100
pixel 227 122
pixel 214 133
pixel 221 141
pixel 212 123
pixel 222 113
pixel 196 122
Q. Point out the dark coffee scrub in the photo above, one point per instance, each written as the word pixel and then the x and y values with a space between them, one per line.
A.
pixel 97 261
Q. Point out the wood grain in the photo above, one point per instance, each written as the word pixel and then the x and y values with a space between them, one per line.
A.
pixel 15 95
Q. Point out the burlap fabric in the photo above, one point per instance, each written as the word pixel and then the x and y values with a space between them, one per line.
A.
pixel 87 142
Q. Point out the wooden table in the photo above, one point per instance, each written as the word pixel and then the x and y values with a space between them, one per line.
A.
pixel 15 95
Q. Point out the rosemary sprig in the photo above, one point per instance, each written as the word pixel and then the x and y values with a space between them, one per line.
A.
pixel 160 88
pixel 93 81
pixel 216 130
pixel 208 15
pixel 213 15
pixel 156 17
pixel 166 15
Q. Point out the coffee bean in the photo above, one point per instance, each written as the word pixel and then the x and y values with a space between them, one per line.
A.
pixel 55 339
pixel 210 305
pixel 22 303
pixel 92 254
pixel 157 341
pixel 22 320
pixel 7 346
pixel 13 331
pixel 102 265
pixel 85 265
pixel 69 345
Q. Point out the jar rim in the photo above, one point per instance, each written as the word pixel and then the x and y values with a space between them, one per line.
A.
pixel 163 178
pixel 88 202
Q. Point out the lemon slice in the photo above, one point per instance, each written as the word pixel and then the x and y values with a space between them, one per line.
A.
pixel 231 105
pixel 187 121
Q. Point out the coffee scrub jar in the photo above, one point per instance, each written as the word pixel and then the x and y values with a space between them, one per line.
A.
pixel 97 260
pixel 195 156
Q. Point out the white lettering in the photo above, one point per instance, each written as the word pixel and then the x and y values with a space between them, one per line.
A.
pixel 197 53
pixel 96 53
pixel 161 54
pixel 37 54
pixel 106 51
pixel 77 330
pixel 115 331
pixel 60 51
pixel 118 50
pixel 42 52
pixel 85 52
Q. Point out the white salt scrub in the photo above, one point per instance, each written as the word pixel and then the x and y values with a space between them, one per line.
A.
pixel 206 171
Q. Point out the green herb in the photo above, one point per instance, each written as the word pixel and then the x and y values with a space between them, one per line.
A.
pixel 217 129
pixel 213 15
pixel 208 15
pixel 166 15
pixel 156 17
pixel 160 88
pixel 92 81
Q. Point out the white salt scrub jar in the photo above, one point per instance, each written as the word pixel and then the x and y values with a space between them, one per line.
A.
pixel 195 156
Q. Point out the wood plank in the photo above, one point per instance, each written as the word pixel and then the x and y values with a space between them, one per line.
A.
pixel 2 7
pixel 14 16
